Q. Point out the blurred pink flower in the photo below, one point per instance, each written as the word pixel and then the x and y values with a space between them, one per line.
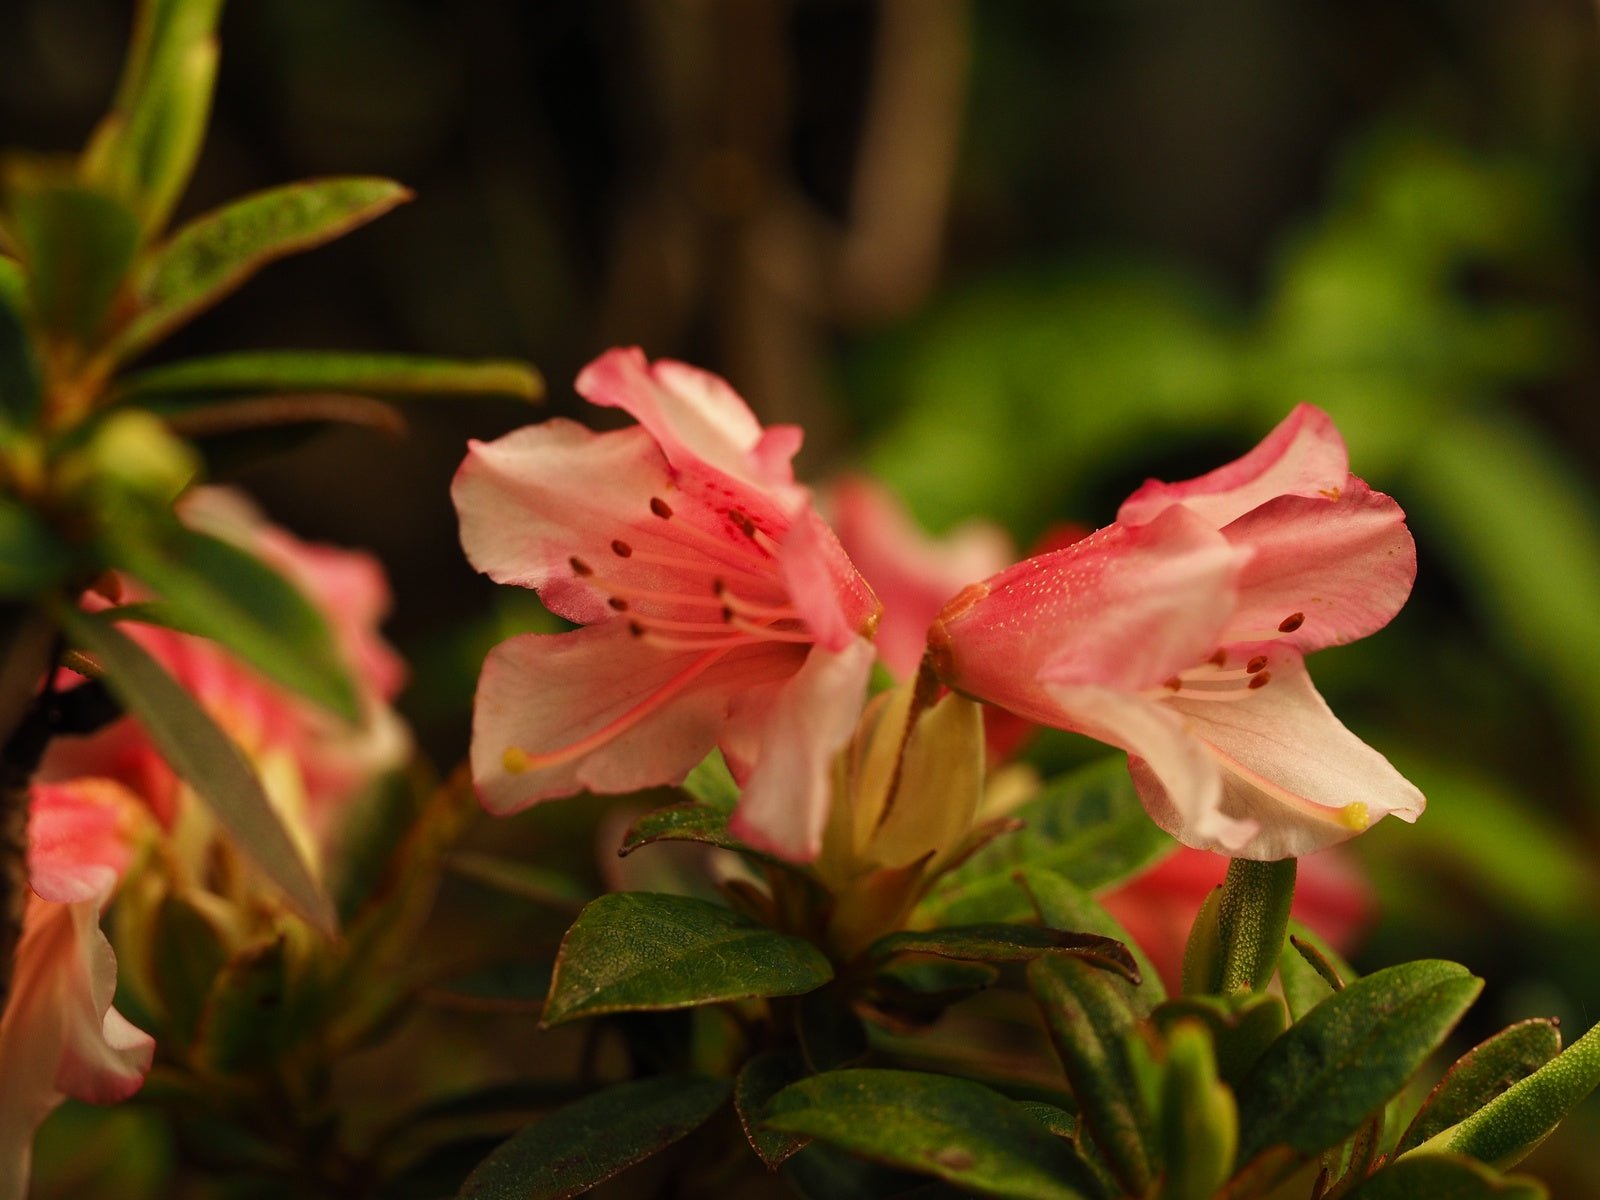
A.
pixel 59 1036
pixel 1157 908
pixel 331 759
pixel 719 609
pixel 1179 632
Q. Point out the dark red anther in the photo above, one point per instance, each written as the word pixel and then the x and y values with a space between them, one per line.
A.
pixel 618 603
pixel 742 519
pixel 1292 622
pixel 1256 663
pixel 621 548
pixel 660 507
pixel 1261 680
pixel 579 567
pixel 635 628
pixel 1219 659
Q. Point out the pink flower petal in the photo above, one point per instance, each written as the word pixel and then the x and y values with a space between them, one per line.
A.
pixel 598 709
pixel 1303 456
pixel 829 593
pixel 1127 606
pixel 1288 767
pixel 1345 564
pixel 784 807
pixel 912 573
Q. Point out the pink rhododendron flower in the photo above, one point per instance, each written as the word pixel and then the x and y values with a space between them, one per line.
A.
pixel 60 1036
pixel 1157 907
pixel 326 760
pixel 719 609
pixel 1179 632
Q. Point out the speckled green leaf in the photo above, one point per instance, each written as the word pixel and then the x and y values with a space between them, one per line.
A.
pixel 203 756
pixel 1480 1075
pixel 935 1125
pixel 1197 1124
pixel 1089 1013
pixel 1508 1128
pixel 1445 1177
pixel 760 1079
pixel 1242 1026
pixel 336 371
pixel 215 253
pixel 641 950
pixel 686 822
pixel 586 1143
pixel 1325 1075
pixel 1004 943
pixel 1062 904
pixel 1087 826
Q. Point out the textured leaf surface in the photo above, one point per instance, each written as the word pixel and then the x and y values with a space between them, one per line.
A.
pixel 1480 1075
pixel 687 822
pixel 1062 904
pixel 1318 1081
pixel 203 756
pixel 762 1078
pixel 586 1143
pixel 643 950
pixel 1087 826
pixel 1004 943
pixel 936 1125
pixel 333 371
pixel 215 253
pixel 1445 1177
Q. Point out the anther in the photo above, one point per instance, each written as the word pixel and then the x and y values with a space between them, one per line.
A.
pixel 635 628
pixel 742 519
pixel 1292 622
pixel 1261 680
pixel 1174 684
pixel 718 586
pixel 660 507
pixel 579 567
pixel 618 603
pixel 621 548
pixel 1256 663
pixel 1219 659
pixel 727 613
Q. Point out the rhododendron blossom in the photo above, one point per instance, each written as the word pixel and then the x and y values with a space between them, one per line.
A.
pixel 311 761
pixel 718 607
pixel 1178 633
pixel 59 1036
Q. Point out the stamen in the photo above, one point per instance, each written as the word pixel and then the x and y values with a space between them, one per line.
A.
pixel 621 548
pixel 621 591
pixel 660 508
pixel 1292 622
pixel 742 519
pixel 1219 659
pixel 699 567
pixel 654 623
pixel 1260 681
pixel 579 567
pixel 1256 663
pixel 618 603
pixel 516 760
pixel 769 633
pixel 749 608
pixel 728 641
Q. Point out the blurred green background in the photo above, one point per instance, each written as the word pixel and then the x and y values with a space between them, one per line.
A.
pixel 1013 256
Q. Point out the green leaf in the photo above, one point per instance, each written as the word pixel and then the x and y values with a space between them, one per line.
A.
pixel 1311 970
pixel 1088 827
pixel 629 951
pixel 1242 1026
pixel 1089 1015
pixel 32 558
pixel 77 245
pixel 936 1125
pixel 1508 1128
pixel 1325 1075
pixel 1480 1075
pixel 144 151
pixel 243 1027
pixel 711 783
pixel 1062 904
pixel 203 756
pixel 211 587
pixel 336 371
pixel 685 822
pixel 586 1143
pixel 760 1079
pixel 215 253
pixel 1197 1124
pixel 1252 913
pixel 1445 1177
pixel 1005 943
pixel 186 955
pixel 19 370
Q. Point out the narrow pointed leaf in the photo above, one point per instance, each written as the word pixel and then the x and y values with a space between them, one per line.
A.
pixel 203 756
pixel 1446 1177
pixel 210 417
pixel 1509 1128
pixel 1089 1013
pixel 215 253
pixel 936 1125
pixel 209 586
pixel 632 951
pixel 144 151
pixel 686 822
pixel 586 1143
pixel 1325 1075
pixel 1062 904
pixel 1311 970
pixel 1198 1124
pixel 336 371
pixel 1088 827
pixel 760 1079
pixel 77 244
pixel 712 784
pixel 1005 943
pixel 537 885
pixel 1242 1026
pixel 1480 1075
